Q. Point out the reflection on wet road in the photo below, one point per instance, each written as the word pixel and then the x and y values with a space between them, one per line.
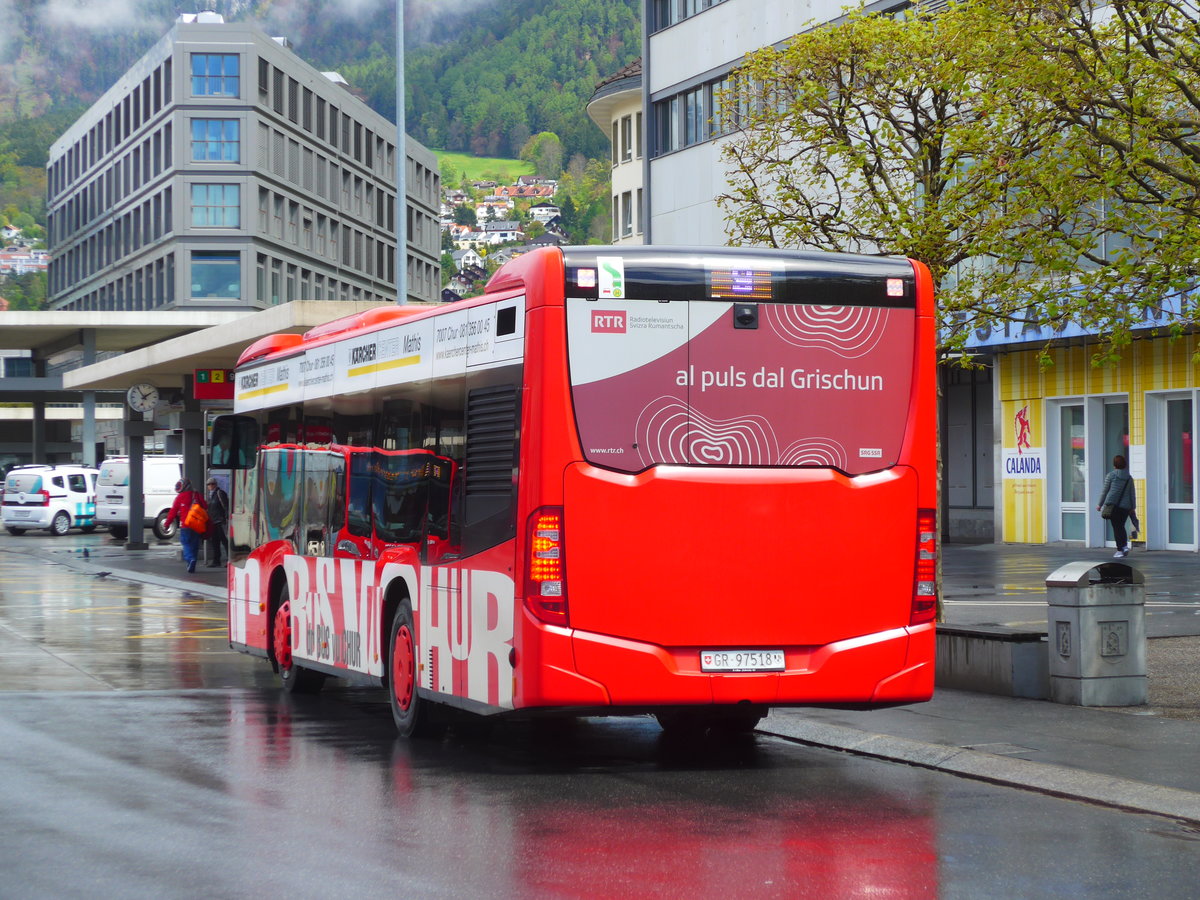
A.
pixel 143 759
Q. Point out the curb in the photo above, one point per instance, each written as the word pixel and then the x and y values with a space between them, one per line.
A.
pixel 92 568
pixel 1045 778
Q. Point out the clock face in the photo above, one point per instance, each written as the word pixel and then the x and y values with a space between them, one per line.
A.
pixel 143 397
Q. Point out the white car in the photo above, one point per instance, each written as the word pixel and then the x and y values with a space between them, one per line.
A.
pixel 159 475
pixel 57 498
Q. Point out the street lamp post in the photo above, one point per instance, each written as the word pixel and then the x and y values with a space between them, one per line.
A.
pixel 401 166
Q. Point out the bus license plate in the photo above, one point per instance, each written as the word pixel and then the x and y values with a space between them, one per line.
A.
pixel 741 661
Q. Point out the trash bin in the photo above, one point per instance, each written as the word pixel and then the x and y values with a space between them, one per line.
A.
pixel 1096 621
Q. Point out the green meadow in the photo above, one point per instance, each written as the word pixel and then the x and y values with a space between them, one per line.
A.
pixel 479 168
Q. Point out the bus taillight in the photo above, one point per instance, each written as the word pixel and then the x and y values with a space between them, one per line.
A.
pixel 924 603
pixel 545 578
pixel 45 498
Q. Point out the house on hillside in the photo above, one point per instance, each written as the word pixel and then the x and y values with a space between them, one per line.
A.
pixel 493 208
pixel 465 258
pixel 527 191
pixel 22 262
pixel 503 232
pixel 471 240
pixel 545 240
pixel 544 212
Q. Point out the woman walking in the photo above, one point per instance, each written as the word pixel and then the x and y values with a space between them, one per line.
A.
pixel 189 538
pixel 1117 500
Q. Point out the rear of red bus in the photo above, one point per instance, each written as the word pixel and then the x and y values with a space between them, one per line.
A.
pixel 728 480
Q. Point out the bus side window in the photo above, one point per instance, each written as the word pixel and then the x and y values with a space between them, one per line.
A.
pixel 314 529
pixel 279 483
pixel 358 505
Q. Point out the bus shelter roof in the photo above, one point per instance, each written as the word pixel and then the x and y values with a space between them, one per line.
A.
pixel 165 363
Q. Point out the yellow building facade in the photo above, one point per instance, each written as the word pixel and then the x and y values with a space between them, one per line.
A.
pixel 1059 427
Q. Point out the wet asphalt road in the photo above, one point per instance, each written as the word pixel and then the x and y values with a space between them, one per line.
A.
pixel 140 758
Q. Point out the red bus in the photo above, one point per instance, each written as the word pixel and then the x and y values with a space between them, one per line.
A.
pixel 697 483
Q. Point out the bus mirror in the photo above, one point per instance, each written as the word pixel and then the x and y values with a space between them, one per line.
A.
pixel 234 442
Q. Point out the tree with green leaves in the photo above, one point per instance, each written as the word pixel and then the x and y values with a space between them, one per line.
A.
pixel 545 152
pixel 1119 83
pixel 947 138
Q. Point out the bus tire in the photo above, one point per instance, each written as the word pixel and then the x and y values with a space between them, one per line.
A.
pixel 60 524
pixel 295 679
pixel 15 532
pixel 162 530
pixel 413 716
pixel 120 532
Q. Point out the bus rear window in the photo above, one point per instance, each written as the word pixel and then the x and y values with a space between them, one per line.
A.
pixel 718 383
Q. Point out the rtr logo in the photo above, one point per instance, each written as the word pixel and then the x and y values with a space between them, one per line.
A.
pixel 608 322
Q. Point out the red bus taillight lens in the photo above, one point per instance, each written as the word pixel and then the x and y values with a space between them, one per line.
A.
pixel 924 603
pixel 545 577
pixel 45 498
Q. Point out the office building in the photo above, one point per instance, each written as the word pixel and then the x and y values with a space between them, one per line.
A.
pixel 224 172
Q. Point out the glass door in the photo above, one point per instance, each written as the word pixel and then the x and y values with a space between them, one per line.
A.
pixel 1116 441
pixel 1181 494
pixel 1072 461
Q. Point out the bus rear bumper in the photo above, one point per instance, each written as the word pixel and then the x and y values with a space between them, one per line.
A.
pixel 893 666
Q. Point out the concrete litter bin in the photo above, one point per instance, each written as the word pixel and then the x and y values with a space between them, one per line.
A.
pixel 1096 623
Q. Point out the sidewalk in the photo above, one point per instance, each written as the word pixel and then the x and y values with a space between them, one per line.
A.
pixel 1140 758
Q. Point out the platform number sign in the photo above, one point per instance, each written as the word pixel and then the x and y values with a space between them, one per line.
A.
pixel 213 384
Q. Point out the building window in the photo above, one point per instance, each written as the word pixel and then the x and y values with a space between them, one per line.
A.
pixel 668 116
pixel 627 139
pixel 216 206
pixel 216 273
pixel 215 140
pixel 626 214
pixel 215 75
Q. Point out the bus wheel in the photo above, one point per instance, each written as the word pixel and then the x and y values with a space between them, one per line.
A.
pixel 60 524
pixel 296 679
pixel 120 532
pixel 15 532
pixel 412 715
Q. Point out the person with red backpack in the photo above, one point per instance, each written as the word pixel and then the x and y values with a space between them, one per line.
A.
pixel 192 512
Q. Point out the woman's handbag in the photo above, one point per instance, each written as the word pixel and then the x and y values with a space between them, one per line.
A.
pixel 1106 511
pixel 196 518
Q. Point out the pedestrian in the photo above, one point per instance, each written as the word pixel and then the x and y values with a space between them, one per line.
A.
pixel 189 536
pixel 1118 498
pixel 218 517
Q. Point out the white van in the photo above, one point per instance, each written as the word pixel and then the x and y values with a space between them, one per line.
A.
pixel 56 498
pixel 159 475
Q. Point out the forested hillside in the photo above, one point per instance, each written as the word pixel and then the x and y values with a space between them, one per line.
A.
pixel 482 75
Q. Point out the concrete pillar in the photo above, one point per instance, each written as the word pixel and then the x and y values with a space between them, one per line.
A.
pixel 136 431
pixel 37 428
pixel 191 423
pixel 88 431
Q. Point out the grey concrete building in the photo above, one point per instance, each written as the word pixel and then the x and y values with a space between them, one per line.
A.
pixel 222 172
